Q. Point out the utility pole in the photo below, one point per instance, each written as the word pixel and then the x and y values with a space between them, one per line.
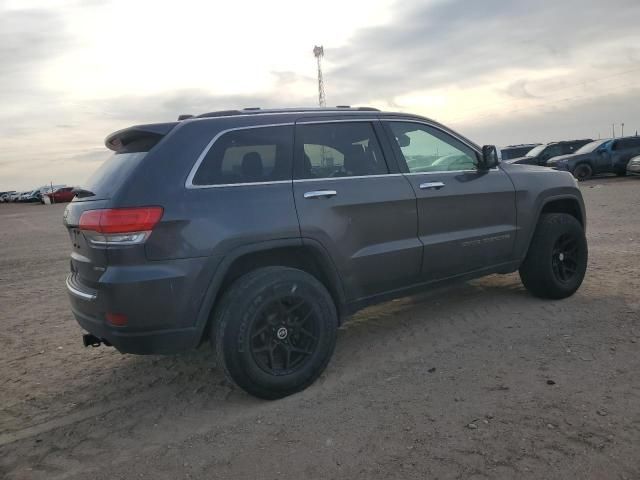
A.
pixel 622 133
pixel 613 130
pixel 318 52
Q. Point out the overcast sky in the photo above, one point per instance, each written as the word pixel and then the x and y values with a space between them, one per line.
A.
pixel 512 71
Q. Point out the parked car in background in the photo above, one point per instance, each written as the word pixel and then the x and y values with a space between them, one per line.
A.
pixel 14 196
pixel 23 196
pixel 62 195
pixel 50 188
pixel 541 154
pixel 633 167
pixel 33 196
pixel 601 156
pixel 516 151
pixel 4 196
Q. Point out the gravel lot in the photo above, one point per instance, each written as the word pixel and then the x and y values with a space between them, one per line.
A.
pixel 479 380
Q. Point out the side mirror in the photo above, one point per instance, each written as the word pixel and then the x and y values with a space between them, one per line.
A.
pixel 489 157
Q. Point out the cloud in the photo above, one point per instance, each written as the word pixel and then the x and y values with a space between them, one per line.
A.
pixel 462 43
pixel 499 71
pixel 553 121
pixel 28 38
pixel 518 89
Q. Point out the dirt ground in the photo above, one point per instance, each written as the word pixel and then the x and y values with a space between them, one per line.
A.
pixel 480 380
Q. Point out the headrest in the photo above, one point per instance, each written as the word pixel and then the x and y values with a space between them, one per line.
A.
pixel 252 169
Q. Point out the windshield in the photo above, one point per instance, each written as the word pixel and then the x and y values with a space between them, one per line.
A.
pixel 534 152
pixel 590 147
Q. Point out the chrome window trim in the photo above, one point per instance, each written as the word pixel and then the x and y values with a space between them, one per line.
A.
pixel 494 169
pixel 244 184
pixel 323 179
pixel 79 293
pixel 189 182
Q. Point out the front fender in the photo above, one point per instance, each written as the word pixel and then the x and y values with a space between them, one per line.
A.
pixel 535 188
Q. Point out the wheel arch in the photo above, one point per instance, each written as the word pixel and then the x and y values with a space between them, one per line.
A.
pixel 569 204
pixel 308 256
pixel 586 162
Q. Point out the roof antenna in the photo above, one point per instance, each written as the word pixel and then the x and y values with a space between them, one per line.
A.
pixel 318 52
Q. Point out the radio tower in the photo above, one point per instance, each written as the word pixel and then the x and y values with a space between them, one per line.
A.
pixel 318 52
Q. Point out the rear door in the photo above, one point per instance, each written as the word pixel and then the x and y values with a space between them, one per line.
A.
pixel 361 211
pixel 466 217
pixel 623 150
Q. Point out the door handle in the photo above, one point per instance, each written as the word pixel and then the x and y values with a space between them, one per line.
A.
pixel 320 194
pixel 431 186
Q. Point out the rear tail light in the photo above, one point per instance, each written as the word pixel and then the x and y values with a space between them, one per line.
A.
pixel 120 226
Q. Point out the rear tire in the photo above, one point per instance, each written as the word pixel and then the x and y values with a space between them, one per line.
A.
pixel 275 331
pixel 556 262
pixel 583 172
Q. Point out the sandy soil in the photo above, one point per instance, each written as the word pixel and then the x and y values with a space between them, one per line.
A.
pixel 479 380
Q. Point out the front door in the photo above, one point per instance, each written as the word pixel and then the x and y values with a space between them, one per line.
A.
pixel 603 157
pixel 466 216
pixel 349 201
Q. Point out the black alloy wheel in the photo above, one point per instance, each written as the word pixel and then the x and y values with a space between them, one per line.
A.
pixel 564 259
pixel 284 335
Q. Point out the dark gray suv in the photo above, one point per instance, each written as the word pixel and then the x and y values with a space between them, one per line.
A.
pixel 262 230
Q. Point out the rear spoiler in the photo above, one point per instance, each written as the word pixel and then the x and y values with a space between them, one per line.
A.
pixel 118 141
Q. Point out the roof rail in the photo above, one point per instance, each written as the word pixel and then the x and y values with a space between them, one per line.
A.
pixel 258 111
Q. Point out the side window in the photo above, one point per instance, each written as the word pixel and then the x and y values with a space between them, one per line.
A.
pixel 427 149
pixel 553 151
pixel 341 149
pixel 626 143
pixel 260 154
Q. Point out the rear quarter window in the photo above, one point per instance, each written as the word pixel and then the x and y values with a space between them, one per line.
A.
pixel 251 155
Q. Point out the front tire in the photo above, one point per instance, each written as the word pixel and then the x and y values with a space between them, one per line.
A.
pixel 583 172
pixel 556 262
pixel 275 331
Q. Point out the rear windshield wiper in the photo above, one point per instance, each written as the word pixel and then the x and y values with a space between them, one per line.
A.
pixel 82 193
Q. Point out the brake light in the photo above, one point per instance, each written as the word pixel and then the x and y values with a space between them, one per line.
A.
pixel 121 220
pixel 119 226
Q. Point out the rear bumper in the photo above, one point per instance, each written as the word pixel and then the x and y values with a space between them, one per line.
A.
pixel 141 343
pixel 160 301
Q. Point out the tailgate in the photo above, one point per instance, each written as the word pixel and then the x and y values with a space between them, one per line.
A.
pixel 88 263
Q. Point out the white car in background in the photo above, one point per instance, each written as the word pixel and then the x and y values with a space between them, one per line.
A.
pixel 633 167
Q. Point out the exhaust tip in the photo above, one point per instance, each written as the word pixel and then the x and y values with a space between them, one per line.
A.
pixel 91 340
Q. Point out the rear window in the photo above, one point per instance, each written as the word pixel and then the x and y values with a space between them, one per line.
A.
pixel 259 154
pixel 112 174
